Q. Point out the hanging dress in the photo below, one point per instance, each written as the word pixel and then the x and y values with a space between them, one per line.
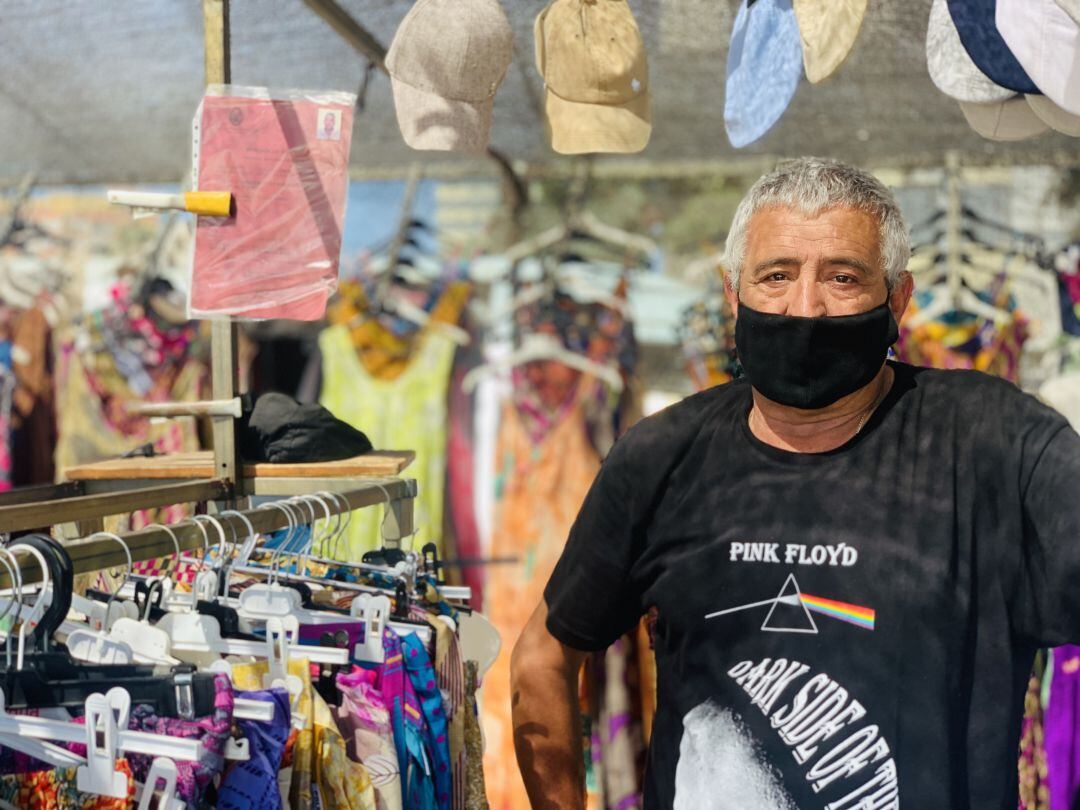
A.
pixel 404 413
pixel 540 488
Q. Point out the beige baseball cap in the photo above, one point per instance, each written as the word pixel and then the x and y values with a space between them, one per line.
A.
pixel 1054 116
pixel 1072 8
pixel 446 62
pixel 1009 120
pixel 596 77
pixel 828 29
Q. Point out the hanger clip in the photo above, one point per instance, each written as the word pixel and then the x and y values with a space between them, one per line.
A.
pixel 99 774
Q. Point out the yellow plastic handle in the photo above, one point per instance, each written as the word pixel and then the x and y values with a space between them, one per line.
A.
pixel 208 203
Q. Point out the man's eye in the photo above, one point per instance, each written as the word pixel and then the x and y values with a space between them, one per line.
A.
pixel 844 279
pixel 776 277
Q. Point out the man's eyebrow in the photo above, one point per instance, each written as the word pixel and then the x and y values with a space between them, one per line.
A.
pixel 787 261
pixel 847 261
pixel 779 261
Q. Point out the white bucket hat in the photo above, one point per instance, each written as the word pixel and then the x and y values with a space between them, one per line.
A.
pixel 1046 41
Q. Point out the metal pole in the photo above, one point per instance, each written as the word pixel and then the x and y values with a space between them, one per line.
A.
pixel 89 555
pixel 952 223
pixel 224 366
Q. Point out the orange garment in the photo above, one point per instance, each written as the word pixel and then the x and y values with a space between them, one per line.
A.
pixel 540 488
pixel 647 676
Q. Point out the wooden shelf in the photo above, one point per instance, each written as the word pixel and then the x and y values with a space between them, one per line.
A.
pixel 201 465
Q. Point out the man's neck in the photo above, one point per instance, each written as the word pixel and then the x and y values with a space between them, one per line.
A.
pixel 822 429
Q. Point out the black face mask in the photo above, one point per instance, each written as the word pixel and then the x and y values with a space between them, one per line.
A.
pixel 813 362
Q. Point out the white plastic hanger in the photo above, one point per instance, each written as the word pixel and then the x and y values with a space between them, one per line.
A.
pixel 29 620
pixel 958 299
pixel 238 549
pixel 585 223
pixel 123 639
pixel 196 638
pixel 40 728
pixel 401 306
pixel 539 346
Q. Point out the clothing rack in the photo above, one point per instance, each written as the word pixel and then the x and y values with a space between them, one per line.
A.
pixel 95 554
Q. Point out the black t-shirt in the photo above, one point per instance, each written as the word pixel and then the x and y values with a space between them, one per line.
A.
pixel 850 629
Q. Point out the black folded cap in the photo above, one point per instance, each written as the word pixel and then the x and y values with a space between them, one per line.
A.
pixel 280 430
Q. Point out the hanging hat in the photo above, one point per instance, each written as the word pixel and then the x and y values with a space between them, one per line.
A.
pixel 1009 120
pixel 596 77
pixel 763 69
pixel 1046 41
pixel 447 60
pixel 829 29
pixel 951 69
pixel 1055 117
pixel 1072 8
pixel 974 20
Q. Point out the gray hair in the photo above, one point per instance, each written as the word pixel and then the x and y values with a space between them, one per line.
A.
pixel 812 185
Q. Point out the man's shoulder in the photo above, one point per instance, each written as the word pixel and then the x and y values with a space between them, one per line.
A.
pixel 677 426
pixel 985 402
pixel 958 384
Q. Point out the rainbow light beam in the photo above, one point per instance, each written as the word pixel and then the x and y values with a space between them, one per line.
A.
pixel 854 614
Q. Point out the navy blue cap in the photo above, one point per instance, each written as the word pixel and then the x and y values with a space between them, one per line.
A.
pixel 974 20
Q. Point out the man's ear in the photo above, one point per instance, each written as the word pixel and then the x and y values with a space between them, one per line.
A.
pixel 901 294
pixel 732 296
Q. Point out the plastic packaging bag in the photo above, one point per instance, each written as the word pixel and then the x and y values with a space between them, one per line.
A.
pixel 284 155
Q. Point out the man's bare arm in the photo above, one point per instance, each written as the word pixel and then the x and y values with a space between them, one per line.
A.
pixel 547 720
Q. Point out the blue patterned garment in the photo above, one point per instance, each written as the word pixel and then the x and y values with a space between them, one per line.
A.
pixel 411 734
pixel 422 675
pixel 254 783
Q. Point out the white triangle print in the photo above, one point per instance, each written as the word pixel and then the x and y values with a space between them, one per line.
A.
pixel 789 621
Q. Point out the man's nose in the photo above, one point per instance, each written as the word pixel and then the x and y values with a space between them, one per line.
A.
pixel 806 299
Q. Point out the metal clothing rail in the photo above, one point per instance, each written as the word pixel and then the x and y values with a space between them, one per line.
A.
pixel 69 503
pixel 95 554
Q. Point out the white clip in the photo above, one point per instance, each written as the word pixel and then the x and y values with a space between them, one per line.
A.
pixel 99 774
pixel 278 640
pixel 161 768
pixel 281 636
pixel 374 610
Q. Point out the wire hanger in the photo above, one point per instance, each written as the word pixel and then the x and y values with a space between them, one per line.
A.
pixel 539 346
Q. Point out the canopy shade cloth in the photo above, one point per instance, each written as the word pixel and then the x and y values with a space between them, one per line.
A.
pixel 105 91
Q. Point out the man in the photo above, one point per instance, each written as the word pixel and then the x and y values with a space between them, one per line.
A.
pixel 329 131
pixel 852 561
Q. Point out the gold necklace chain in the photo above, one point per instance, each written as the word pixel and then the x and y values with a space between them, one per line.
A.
pixel 880 398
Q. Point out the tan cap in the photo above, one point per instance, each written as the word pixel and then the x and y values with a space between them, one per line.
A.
pixel 1009 120
pixel 828 29
pixel 1072 8
pixel 1054 116
pixel 447 60
pixel 596 77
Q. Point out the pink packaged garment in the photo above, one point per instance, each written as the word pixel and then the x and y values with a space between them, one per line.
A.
pixel 284 155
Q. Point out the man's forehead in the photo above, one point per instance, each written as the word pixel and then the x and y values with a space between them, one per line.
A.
pixel 832 212
pixel 841 223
